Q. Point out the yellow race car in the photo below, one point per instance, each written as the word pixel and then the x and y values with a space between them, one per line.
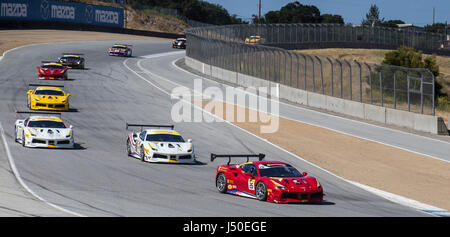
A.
pixel 254 39
pixel 48 97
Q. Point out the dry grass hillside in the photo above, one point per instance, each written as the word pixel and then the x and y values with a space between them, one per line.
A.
pixel 145 19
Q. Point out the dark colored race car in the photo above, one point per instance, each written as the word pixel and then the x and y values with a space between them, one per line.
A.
pixel 72 60
pixel 52 71
pixel 120 50
pixel 272 181
pixel 179 43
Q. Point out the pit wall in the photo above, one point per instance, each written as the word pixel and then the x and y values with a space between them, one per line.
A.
pixel 418 122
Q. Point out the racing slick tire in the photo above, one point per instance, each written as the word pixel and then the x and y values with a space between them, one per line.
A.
pixel 142 154
pixel 261 191
pixel 221 183
pixel 23 139
pixel 128 147
pixel 15 133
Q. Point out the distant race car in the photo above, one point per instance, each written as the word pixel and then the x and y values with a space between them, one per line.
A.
pixel 179 43
pixel 120 50
pixel 254 39
pixel 72 60
pixel 47 97
pixel 44 130
pixel 159 144
pixel 52 71
pixel 272 181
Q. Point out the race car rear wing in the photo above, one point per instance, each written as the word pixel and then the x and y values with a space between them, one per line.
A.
pixel 149 125
pixel 127 45
pixel 49 62
pixel 30 85
pixel 260 156
pixel 16 112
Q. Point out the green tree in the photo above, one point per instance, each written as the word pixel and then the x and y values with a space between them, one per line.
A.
pixel 435 28
pixel 408 57
pixel 329 18
pixel 391 23
pixel 373 17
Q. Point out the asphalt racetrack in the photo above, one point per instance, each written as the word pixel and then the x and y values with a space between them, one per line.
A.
pixel 98 179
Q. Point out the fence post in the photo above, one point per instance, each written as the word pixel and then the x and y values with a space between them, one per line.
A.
pixel 407 91
pixel 321 74
pixel 351 84
pixel 433 95
pixel 332 75
pixel 340 64
pixel 370 82
pixel 360 80
pixel 421 92
pixel 381 88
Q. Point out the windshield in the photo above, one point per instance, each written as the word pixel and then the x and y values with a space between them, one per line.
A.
pixel 119 47
pixel 164 138
pixel 278 171
pixel 46 124
pixel 48 92
pixel 53 66
pixel 70 58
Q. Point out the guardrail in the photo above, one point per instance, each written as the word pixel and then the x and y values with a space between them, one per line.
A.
pixel 388 86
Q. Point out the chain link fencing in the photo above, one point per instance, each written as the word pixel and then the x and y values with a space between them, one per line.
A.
pixel 384 85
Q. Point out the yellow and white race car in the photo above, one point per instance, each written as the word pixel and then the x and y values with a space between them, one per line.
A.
pixel 48 97
pixel 44 130
pixel 159 144
pixel 254 39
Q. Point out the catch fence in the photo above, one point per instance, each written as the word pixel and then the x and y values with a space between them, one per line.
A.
pixel 384 85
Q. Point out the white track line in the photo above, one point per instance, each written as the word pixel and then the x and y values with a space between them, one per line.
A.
pixel 22 183
pixel 13 165
pixel 435 211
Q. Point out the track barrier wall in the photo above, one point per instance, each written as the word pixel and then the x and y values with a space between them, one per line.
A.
pixel 420 122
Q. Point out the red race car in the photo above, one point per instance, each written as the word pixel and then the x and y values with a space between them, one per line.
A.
pixel 272 181
pixel 52 71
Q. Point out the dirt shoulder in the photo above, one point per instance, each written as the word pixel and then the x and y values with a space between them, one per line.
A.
pixel 14 38
pixel 380 166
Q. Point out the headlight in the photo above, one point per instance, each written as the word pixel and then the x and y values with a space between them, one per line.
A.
pixel 31 133
pixel 151 147
pixel 70 134
pixel 318 185
pixel 36 99
pixel 190 149
pixel 278 185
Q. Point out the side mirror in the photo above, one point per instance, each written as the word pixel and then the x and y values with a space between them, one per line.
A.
pixel 71 126
pixel 29 92
pixel 189 140
pixel 68 94
pixel 304 174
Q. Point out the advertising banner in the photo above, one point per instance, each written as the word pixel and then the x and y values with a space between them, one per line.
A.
pixel 47 10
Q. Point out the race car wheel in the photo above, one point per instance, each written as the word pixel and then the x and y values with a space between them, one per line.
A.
pixel 142 154
pixel 261 191
pixel 15 133
pixel 128 147
pixel 221 183
pixel 23 139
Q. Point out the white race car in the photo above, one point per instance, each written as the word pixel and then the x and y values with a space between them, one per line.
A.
pixel 43 131
pixel 159 145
